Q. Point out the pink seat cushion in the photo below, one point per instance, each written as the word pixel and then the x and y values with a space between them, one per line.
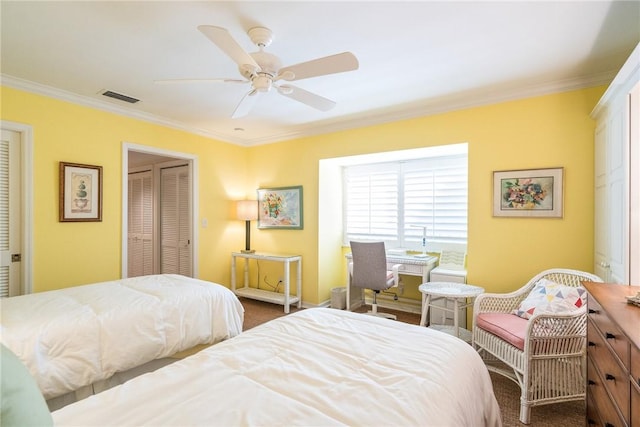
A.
pixel 509 327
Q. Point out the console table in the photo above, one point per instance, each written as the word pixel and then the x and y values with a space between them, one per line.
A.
pixel 411 265
pixel 269 296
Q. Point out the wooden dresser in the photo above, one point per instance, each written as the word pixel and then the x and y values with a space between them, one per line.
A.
pixel 613 356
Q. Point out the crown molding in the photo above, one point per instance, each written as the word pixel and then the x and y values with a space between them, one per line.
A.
pixel 478 98
pixel 63 95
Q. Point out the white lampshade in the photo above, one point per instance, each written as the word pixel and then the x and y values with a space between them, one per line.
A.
pixel 247 210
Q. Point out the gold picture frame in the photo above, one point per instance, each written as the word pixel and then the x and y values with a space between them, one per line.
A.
pixel 80 193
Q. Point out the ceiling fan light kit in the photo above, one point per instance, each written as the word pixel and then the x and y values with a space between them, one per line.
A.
pixel 262 69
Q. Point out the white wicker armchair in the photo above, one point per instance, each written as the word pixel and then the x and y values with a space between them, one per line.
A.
pixel 551 367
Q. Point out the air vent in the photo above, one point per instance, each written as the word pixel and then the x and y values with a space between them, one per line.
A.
pixel 120 96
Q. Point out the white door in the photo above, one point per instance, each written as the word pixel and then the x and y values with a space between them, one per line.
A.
pixel 140 224
pixel 10 214
pixel 617 207
pixel 175 221
pixel 634 186
pixel 601 239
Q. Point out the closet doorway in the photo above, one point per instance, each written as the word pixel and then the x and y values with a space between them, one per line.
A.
pixel 159 206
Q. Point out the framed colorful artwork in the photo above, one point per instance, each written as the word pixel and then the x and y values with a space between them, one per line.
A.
pixel 280 207
pixel 528 193
pixel 80 192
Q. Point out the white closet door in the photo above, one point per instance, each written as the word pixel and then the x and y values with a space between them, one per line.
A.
pixel 175 225
pixel 617 208
pixel 140 227
pixel 10 214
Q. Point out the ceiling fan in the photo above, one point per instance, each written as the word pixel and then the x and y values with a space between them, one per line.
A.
pixel 264 70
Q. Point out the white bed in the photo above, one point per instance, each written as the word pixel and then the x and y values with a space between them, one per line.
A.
pixel 71 338
pixel 317 366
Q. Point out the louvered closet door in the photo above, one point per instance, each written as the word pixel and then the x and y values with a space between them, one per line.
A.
pixel 10 216
pixel 140 237
pixel 175 225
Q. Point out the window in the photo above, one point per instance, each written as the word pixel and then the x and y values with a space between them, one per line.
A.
pixel 393 201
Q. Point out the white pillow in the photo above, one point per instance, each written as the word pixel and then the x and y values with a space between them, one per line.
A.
pixel 549 297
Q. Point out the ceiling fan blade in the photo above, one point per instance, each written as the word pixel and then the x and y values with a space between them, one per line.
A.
pixel 221 80
pixel 221 38
pixel 338 63
pixel 306 97
pixel 245 105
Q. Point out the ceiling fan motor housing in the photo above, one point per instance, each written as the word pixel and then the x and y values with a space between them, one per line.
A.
pixel 269 63
pixel 262 82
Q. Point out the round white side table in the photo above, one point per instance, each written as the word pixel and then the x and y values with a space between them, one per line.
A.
pixel 462 296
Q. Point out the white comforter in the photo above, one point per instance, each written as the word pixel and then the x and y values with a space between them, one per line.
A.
pixel 315 367
pixel 70 338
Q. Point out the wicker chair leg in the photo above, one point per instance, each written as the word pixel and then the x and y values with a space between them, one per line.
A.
pixel 525 412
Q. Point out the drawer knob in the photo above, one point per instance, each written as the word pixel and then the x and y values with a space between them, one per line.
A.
pixel 609 377
pixel 592 311
pixel 608 425
pixel 592 344
pixel 590 422
pixel 610 336
pixel 591 382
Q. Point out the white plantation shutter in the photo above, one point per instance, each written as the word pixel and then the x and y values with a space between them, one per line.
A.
pixel 435 195
pixel 386 201
pixel 372 203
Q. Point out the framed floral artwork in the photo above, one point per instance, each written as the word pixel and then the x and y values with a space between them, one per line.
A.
pixel 280 207
pixel 80 192
pixel 528 193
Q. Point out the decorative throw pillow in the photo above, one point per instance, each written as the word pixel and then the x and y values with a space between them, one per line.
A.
pixel 550 297
pixel 22 402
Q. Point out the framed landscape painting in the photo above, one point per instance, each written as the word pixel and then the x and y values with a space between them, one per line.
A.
pixel 280 207
pixel 528 193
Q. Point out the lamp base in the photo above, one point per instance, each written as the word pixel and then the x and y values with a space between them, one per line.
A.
pixel 248 251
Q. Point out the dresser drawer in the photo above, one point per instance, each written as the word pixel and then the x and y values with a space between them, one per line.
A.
pixel 604 407
pixel 635 405
pixel 612 334
pixel 635 365
pixel 593 418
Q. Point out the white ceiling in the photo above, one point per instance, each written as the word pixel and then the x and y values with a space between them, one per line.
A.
pixel 416 58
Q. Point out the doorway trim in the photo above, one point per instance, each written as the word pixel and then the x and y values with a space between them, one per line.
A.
pixel 195 197
pixel 26 164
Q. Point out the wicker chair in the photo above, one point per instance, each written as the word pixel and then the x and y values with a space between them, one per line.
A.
pixel 551 366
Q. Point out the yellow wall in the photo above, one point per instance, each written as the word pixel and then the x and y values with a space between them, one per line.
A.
pixel 503 253
pixel 546 131
pixel 68 254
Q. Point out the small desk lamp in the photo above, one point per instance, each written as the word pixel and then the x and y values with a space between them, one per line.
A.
pixel 247 211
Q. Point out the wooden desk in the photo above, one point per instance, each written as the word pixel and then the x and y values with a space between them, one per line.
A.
pixel 410 265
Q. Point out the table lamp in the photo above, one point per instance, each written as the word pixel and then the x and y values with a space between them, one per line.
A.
pixel 247 210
